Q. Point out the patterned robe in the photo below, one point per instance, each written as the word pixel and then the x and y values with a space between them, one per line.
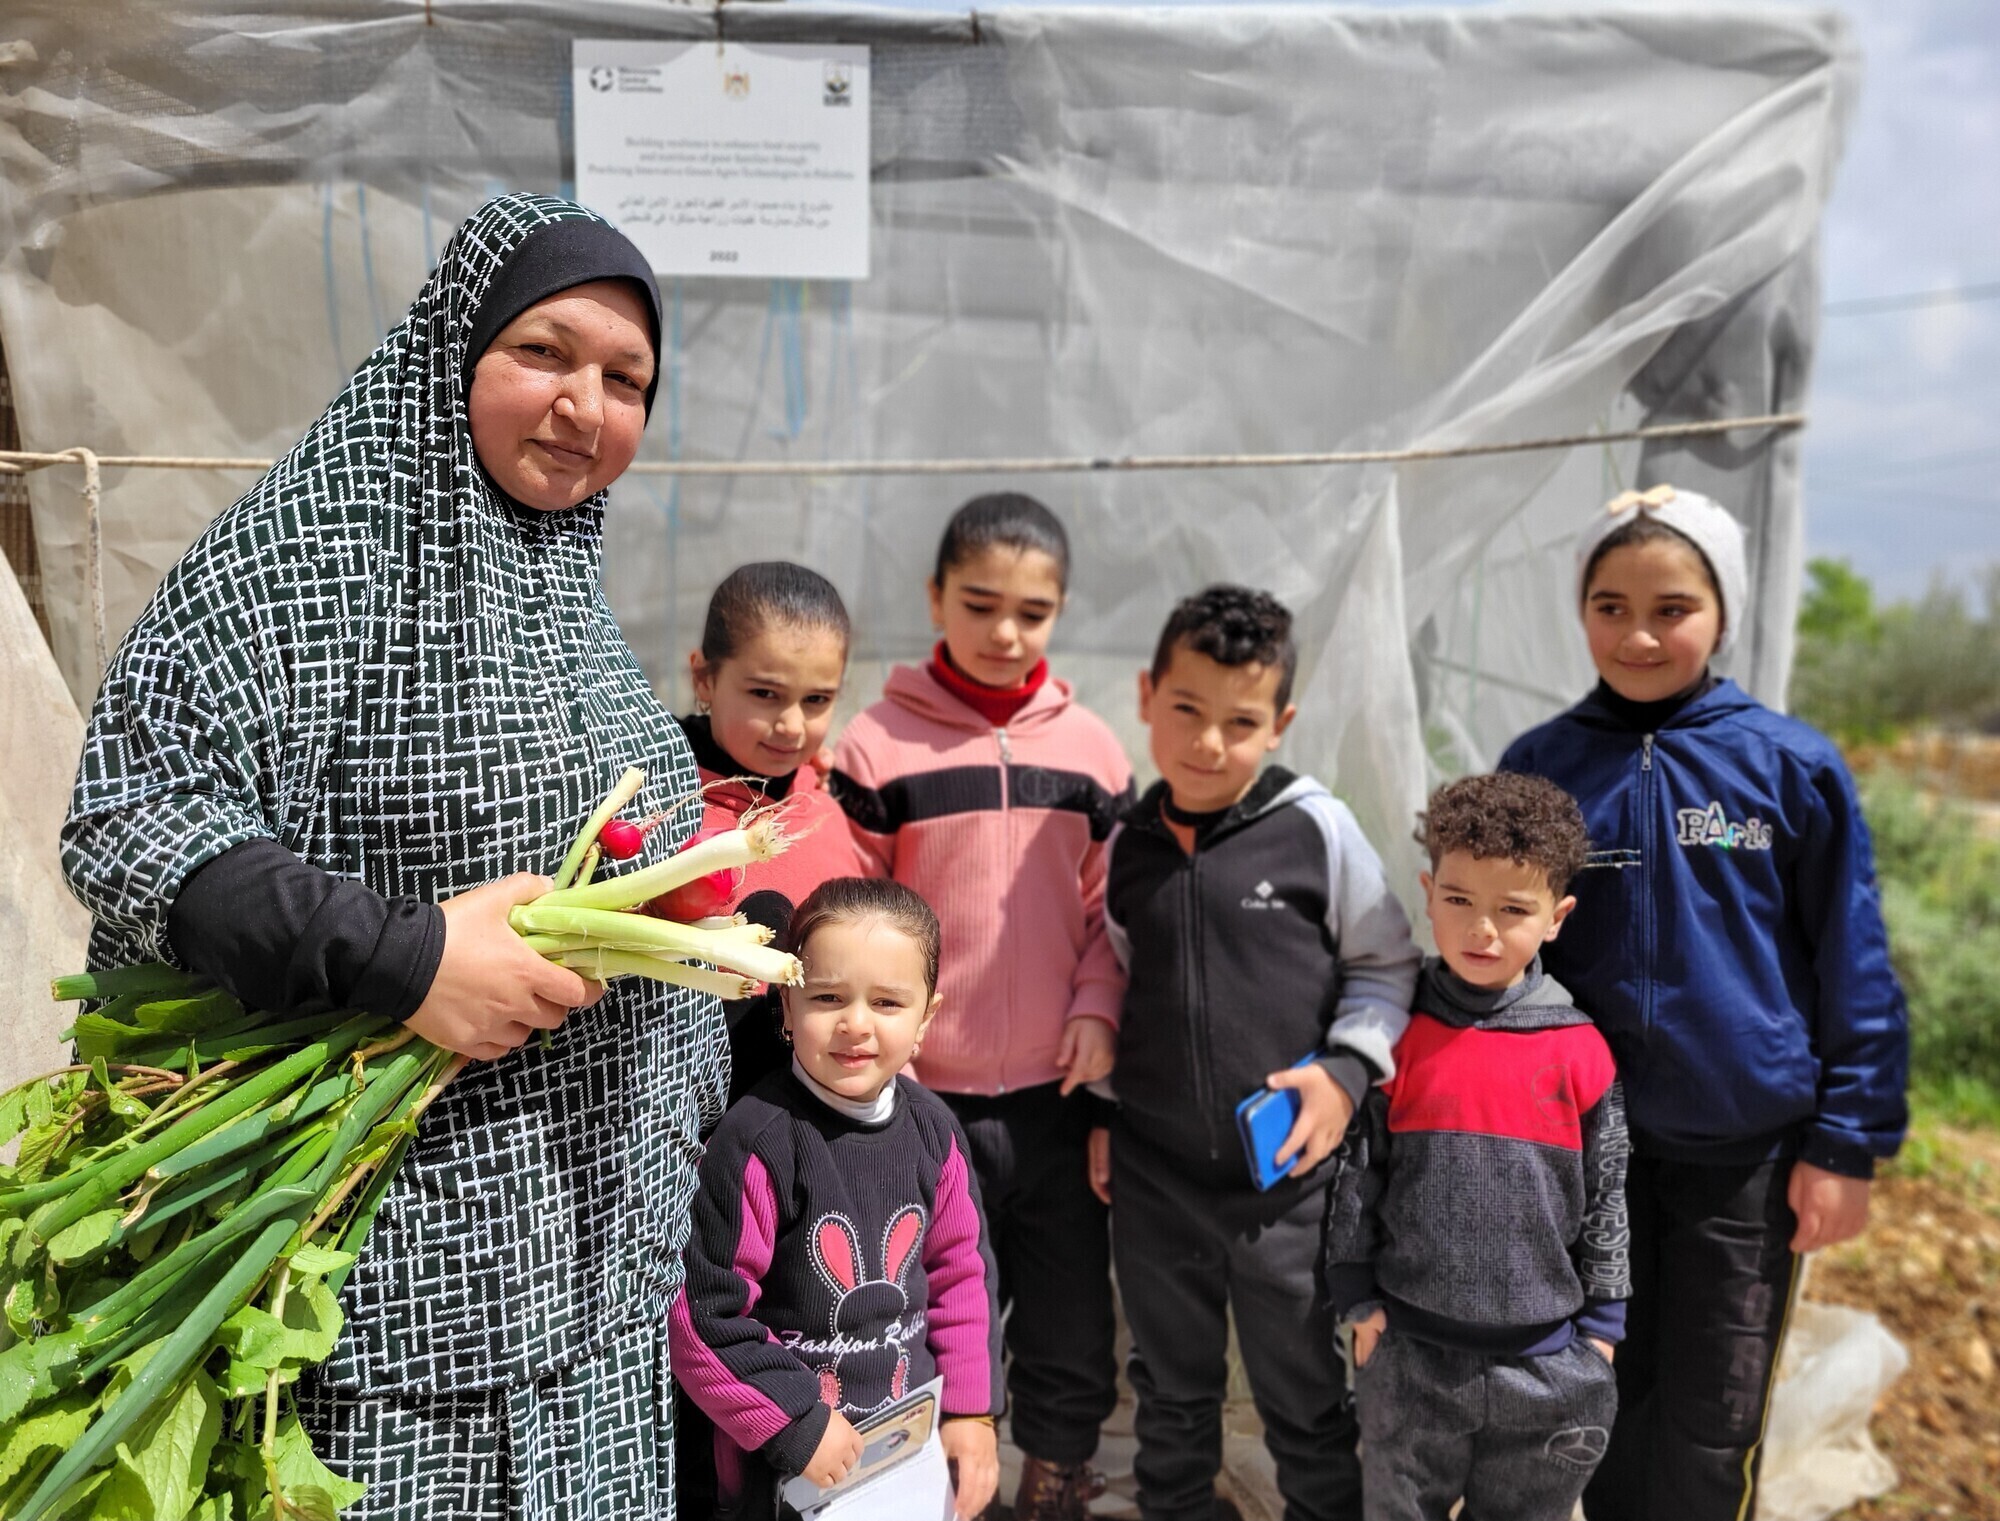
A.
pixel 404 677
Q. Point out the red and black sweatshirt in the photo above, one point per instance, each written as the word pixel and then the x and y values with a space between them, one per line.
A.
pixel 1481 1198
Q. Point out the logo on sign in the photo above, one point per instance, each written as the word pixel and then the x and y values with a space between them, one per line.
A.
pixel 839 84
pixel 602 78
pixel 736 83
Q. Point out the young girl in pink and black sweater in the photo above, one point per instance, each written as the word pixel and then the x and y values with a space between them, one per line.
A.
pixel 978 781
pixel 836 1260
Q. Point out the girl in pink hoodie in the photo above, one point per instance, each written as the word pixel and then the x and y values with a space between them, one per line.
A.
pixel 978 781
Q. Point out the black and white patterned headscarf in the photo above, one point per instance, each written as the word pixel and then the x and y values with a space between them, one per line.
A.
pixel 404 677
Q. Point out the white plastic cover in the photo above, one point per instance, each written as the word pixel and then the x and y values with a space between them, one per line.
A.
pixel 1818 1455
pixel 42 926
pixel 1097 232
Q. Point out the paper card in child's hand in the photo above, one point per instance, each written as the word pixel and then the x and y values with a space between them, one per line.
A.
pixel 890 1439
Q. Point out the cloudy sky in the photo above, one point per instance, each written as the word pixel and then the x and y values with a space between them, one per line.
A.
pixel 1903 456
pixel 1903 460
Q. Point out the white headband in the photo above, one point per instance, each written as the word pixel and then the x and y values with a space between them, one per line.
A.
pixel 1705 524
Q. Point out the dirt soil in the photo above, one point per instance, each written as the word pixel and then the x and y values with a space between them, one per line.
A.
pixel 1929 1265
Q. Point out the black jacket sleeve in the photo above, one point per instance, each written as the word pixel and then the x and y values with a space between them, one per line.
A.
pixel 1604 1247
pixel 288 937
pixel 1354 1226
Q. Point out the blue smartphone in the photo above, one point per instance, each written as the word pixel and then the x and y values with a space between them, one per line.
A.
pixel 1264 1119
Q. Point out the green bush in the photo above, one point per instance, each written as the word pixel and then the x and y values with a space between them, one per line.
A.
pixel 1864 673
pixel 1940 885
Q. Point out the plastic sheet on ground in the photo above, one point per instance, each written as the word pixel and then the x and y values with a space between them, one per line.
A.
pixel 1818 1456
pixel 1097 232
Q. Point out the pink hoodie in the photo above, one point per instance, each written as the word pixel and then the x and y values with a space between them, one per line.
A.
pixel 1002 831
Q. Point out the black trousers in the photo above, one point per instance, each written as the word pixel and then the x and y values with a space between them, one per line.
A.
pixel 1188 1256
pixel 695 1494
pixel 1713 1277
pixel 1052 1244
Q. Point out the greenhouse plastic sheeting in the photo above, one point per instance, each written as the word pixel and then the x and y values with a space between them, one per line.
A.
pixel 1096 232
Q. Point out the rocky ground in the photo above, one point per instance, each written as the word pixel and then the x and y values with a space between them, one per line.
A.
pixel 1929 1266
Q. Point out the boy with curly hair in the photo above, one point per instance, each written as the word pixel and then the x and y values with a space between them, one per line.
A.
pixel 1257 928
pixel 1478 1242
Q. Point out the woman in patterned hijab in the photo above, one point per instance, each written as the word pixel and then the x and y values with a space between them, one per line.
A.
pixel 376 690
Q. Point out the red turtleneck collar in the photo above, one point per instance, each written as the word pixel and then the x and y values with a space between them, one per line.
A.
pixel 994 704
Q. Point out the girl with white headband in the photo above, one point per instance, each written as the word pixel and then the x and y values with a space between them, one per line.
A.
pixel 1728 941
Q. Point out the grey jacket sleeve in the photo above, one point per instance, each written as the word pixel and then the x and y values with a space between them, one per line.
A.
pixel 1121 943
pixel 1378 959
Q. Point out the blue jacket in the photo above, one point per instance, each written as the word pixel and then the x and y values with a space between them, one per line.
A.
pixel 1728 936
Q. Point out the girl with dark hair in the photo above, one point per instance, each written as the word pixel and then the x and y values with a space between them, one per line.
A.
pixel 1728 941
pixel 980 782
pixel 838 1260
pixel 362 711
pixel 772 658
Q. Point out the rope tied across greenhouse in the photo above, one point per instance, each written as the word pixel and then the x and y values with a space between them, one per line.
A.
pixel 24 461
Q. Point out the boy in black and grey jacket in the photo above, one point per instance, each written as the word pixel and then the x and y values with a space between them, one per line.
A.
pixel 1478 1240
pixel 1256 927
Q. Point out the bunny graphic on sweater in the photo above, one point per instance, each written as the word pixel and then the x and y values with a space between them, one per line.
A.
pixel 870 1321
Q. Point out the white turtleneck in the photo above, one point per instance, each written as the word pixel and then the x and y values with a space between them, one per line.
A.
pixel 875 1111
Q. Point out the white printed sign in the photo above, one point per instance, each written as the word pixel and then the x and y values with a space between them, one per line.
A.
pixel 738 159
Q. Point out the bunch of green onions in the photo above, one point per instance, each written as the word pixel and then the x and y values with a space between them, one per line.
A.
pixel 592 927
pixel 189 1195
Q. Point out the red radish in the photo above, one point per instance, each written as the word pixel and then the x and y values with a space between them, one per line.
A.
pixel 704 897
pixel 621 839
